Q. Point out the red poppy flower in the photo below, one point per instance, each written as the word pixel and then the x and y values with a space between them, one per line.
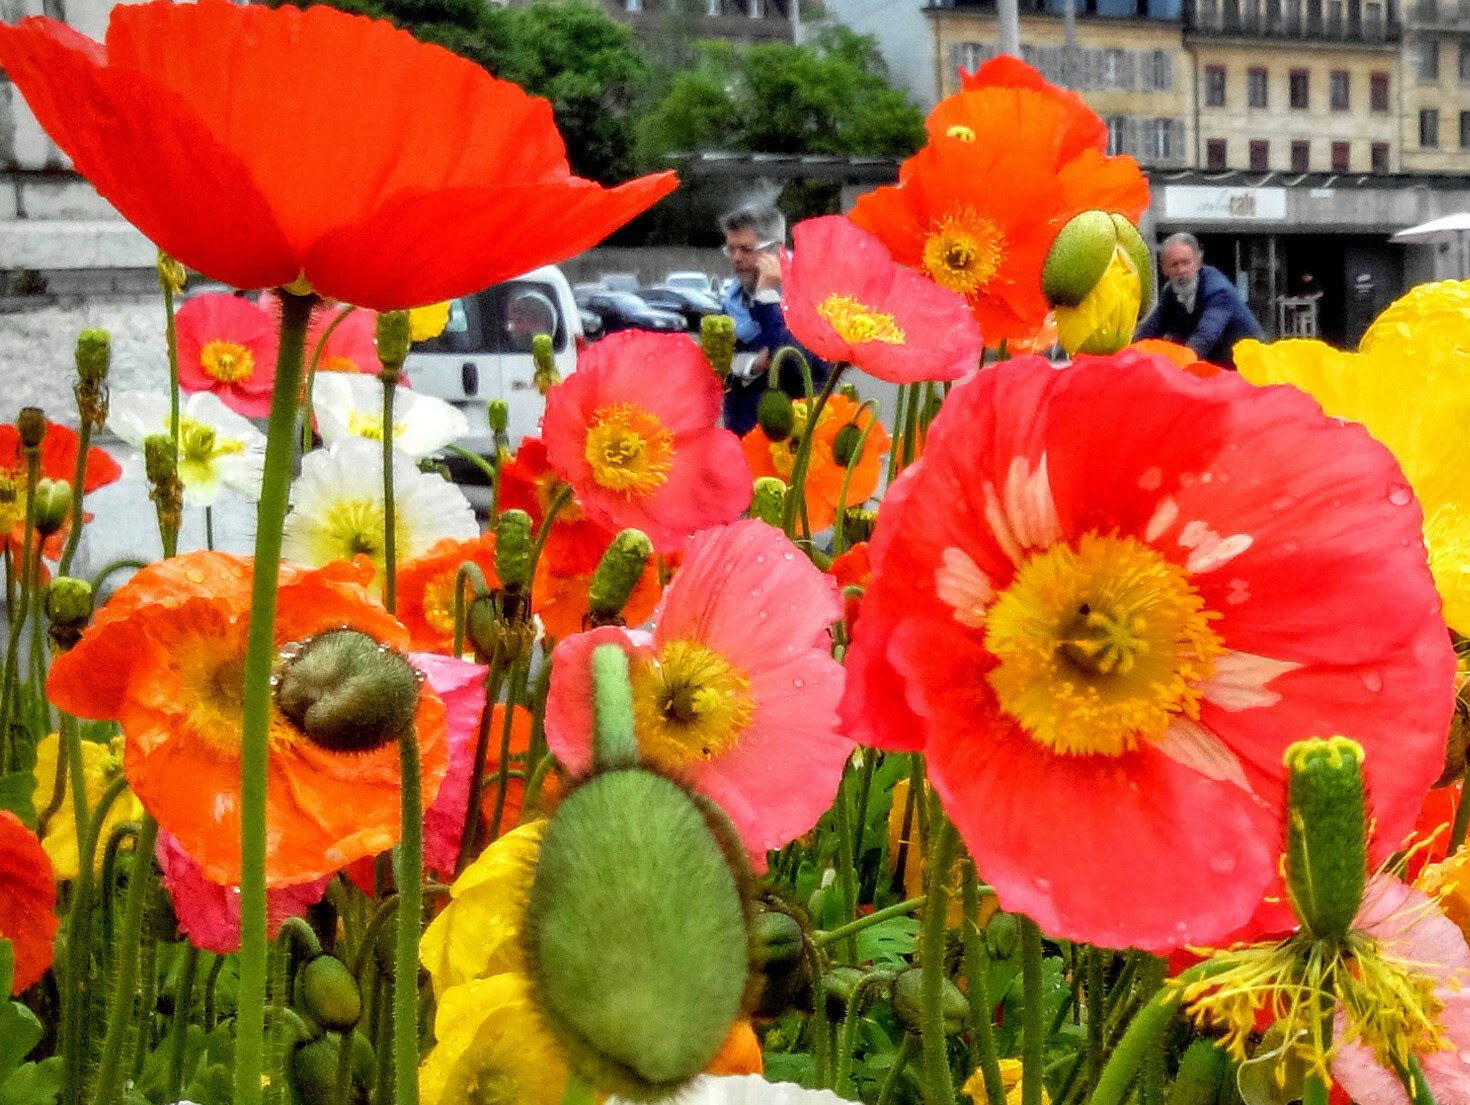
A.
pixel 165 658
pixel 1081 129
pixel 1106 600
pixel 58 462
pixel 635 431
pixel 227 345
pixel 27 901
pixel 426 589
pixel 846 300
pixel 260 145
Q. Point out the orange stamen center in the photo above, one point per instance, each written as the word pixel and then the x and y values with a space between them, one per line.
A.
pixel 963 252
pixel 227 361
pixel 856 323
pixel 629 449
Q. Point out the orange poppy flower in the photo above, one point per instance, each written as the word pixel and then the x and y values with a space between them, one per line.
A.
pixel 27 898
pixel 260 145
pixel 825 473
pixel 165 659
pixel 426 589
pixel 1082 128
pixel 58 462
pixel 1181 355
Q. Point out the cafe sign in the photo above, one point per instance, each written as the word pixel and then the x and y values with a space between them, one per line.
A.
pixel 1199 203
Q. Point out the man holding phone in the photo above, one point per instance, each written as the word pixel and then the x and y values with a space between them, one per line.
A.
pixel 754 239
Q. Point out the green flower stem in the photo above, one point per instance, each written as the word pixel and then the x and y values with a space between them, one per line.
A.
pixel 316 356
pixel 1462 815
pixel 112 568
pixel 900 407
pixel 469 834
pixel 847 1034
pixel 877 917
pixel 839 529
pixel 890 1080
pixel 938 1087
pixel 803 459
pixel 490 470
pixel 515 691
pixel 121 1021
pixel 578 1091
pixel 409 872
pixel 1096 1000
pixel 19 610
pixel 178 1029
pixel 865 796
pixel 983 1053
pixel 467 573
pixel 342 1080
pixel 846 875
pixel 76 995
pixel 390 535
pixel 1414 1082
pixel 209 528
pixel 78 491
pixel 259 658
pixel 912 426
pixel 171 336
pixel 1033 1028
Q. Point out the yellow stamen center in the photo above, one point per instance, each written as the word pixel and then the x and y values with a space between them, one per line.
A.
pixel 12 502
pixel 212 682
pixel 857 323
pixel 690 705
pixel 439 602
pixel 962 132
pixel 1100 646
pixel 963 252
pixel 199 447
pixel 629 449
pixel 227 361
pixel 362 424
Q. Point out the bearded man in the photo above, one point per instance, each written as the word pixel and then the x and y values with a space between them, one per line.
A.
pixel 1198 305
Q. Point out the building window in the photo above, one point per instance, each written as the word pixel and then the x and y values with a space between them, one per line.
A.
pixel 1340 89
pixel 1117 134
pixel 1428 60
pixel 1378 92
pixel 1215 154
pixel 1340 152
pixel 1299 89
pixel 1373 20
pixel 1256 86
pixel 1301 156
pixel 969 56
pixel 1429 128
pixel 1465 130
pixel 1334 17
pixel 1158 71
pixel 1165 140
pixel 712 7
pixel 1117 69
pixel 1260 155
pixel 1214 86
pixel 1378 157
pixel 1464 66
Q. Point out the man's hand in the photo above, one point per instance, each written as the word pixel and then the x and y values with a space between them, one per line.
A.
pixel 768 272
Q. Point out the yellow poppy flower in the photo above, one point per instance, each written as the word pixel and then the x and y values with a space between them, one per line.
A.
pixel 1010 1078
pixel 1430 322
pixel 1417 406
pixel 100 765
pixel 427 322
pixel 492 1048
pixel 478 934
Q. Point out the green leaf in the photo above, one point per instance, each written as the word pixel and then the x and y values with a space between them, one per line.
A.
pixel 33 1084
pixel 889 943
pixel 19 1028
pixel 16 790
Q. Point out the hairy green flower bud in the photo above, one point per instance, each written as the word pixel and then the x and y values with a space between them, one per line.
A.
pixel 329 993
pixel 777 952
pixel 717 339
pixel 514 543
pixel 94 355
pixel 171 274
pixel 858 524
pixel 776 414
pixel 498 412
pixel 31 422
pixel 1202 1069
pixel 618 572
pixel 394 335
pixel 847 447
pixel 1097 276
pixel 160 460
pixel 347 691
pixel 546 375
pixel 68 609
pixel 839 986
pixel 53 505
pixel 1326 834
pixel 768 502
pixel 313 1068
pixel 908 1002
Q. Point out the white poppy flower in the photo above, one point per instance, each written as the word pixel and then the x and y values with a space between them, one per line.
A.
pixel 217 447
pixel 337 507
pixel 746 1089
pixel 350 405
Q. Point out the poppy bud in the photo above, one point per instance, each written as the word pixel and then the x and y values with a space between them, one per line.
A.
pixel 1326 838
pixel 313 1069
pixel 1003 934
pixel 849 391
pixel 858 524
pixel 329 993
pixel 776 414
pixel 53 505
pixel 347 691
pixel 618 572
pixel 768 502
pixel 908 1002
pixel 1202 1069
pixel 1097 276
pixel 717 339
pixel 777 943
pixel 847 445
pixel 839 985
pixel 514 543
pixel 498 413
pixel 68 609
pixel 31 422
pixel 171 274
pixel 393 335
pixel 546 376
pixel 94 355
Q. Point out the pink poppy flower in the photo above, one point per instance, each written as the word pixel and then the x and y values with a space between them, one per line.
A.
pixel 1105 601
pixel 209 912
pixel 635 431
pixel 734 689
pixel 227 345
pixel 847 300
pixel 462 687
pixel 351 345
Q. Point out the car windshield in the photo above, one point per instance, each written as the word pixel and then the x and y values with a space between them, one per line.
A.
pixel 626 301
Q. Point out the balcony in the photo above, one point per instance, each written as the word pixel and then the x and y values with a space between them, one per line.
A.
pixel 1357 21
pixel 1447 14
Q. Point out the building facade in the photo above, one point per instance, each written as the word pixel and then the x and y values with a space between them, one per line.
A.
pixel 744 21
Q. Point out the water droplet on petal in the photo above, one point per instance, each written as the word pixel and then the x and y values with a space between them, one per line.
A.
pixel 1400 494
pixel 1222 864
pixel 1282 502
pixel 798 683
pixel 1042 884
pixel 1373 681
pixel 788 556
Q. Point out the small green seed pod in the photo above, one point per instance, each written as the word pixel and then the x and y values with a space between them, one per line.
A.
pixel 776 414
pixel 31 422
pixel 717 340
pixel 768 502
pixel 94 355
pixel 847 445
pixel 908 1002
pixel 394 335
pixel 1326 835
pixel 329 993
pixel 514 542
pixel 618 572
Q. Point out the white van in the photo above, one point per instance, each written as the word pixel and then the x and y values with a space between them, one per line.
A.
pixel 484 353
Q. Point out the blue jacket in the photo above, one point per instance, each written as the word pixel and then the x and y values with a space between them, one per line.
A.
pixel 760 326
pixel 1220 319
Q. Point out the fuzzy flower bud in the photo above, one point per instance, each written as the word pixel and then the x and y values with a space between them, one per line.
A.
pixel 776 414
pixel 546 375
pixel 858 524
pixel 171 274
pixel 768 502
pixel 160 462
pixel 618 572
pixel 330 993
pixel 1097 276
pixel 717 339
pixel 499 415
pixel 847 445
pixel 347 691
pixel 68 609
pixel 31 422
pixel 393 335
pixel 514 541
pixel 53 506
pixel 908 1002
pixel 94 355
pixel 1326 835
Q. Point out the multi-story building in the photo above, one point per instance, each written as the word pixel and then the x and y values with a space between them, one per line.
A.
pixel 746 21
pixel 1436 86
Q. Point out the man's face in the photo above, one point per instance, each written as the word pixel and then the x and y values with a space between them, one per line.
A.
pixel 1180 263
pixel 743 247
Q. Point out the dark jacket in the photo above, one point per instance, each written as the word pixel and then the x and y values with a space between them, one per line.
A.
pixel 762 326
pixel 1220 319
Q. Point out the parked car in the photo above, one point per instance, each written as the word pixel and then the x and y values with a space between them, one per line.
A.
pixel 689 304
pixel 695 281
pixel 626 311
